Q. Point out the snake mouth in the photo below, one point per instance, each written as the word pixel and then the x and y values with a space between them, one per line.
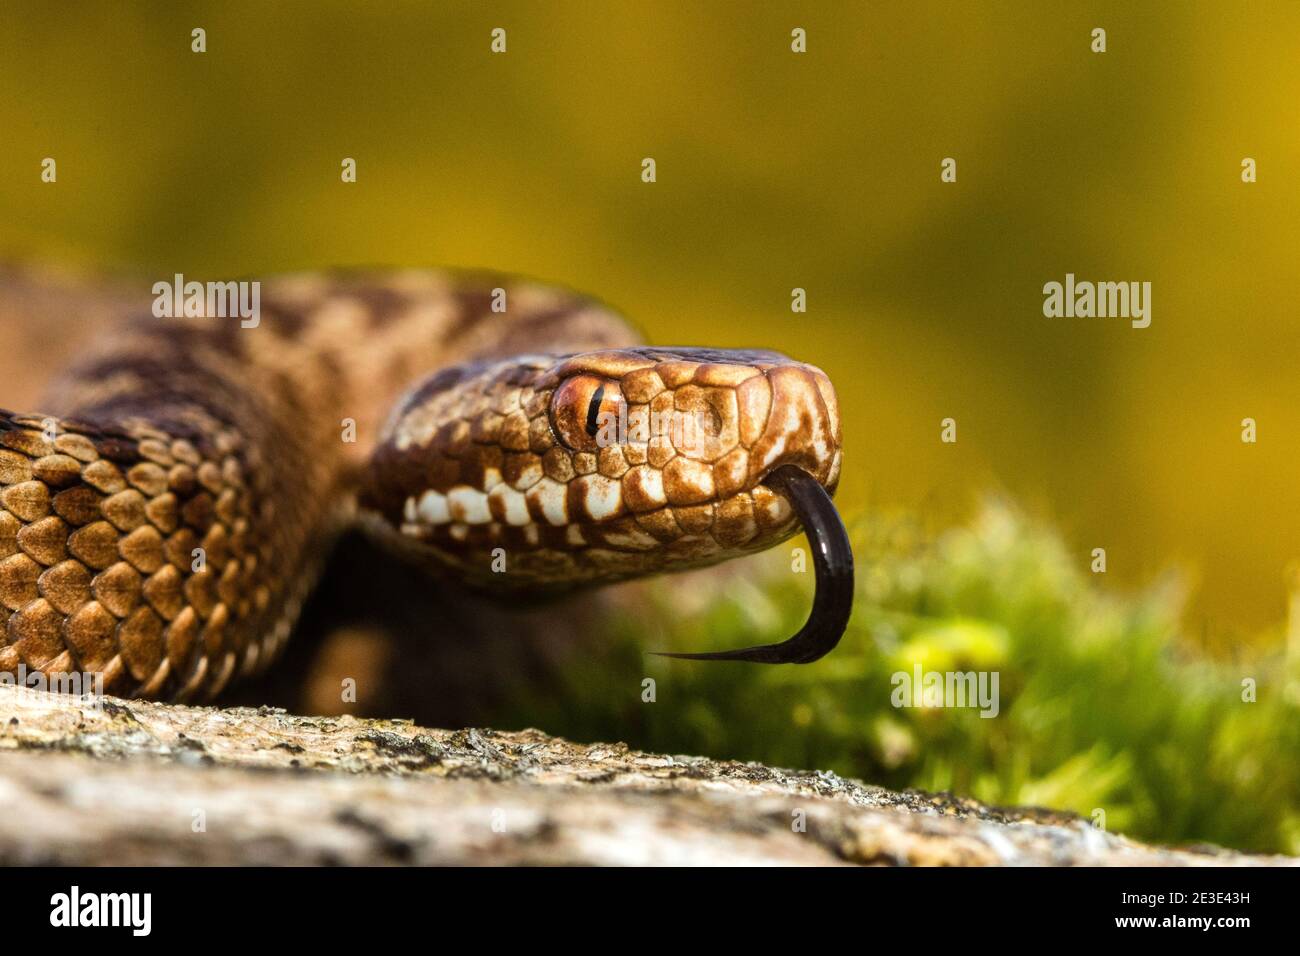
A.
pixel 832 565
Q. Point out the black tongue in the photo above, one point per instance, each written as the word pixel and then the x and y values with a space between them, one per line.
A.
pixel 833 566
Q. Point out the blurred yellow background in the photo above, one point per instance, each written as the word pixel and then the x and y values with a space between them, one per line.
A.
pixel 775 170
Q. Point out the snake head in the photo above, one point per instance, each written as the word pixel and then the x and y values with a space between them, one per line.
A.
pixel 605 465
pixel 543 473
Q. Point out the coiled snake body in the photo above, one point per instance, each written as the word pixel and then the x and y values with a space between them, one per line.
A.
pixel 164 514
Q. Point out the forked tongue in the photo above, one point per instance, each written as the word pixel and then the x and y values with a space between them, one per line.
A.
pixel 832 564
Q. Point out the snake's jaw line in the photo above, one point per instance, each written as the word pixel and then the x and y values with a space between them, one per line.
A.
pixel 833 567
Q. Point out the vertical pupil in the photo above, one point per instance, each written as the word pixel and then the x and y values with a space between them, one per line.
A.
pixel 593 410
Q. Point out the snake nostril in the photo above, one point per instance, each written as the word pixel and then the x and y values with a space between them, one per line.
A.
pixel 707 422
pixel 704 422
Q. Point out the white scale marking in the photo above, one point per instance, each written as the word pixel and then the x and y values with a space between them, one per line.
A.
pixel 469 505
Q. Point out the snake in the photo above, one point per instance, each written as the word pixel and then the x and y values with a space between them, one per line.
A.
pixel 166 513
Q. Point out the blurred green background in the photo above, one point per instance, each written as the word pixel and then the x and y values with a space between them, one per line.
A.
pixel 775 170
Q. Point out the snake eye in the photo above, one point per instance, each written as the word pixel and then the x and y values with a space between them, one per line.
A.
pixel 585 412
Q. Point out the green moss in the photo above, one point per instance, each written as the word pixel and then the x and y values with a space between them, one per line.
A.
pixel 1101 708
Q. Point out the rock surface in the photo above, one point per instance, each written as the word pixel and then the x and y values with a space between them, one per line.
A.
pixel 130 782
